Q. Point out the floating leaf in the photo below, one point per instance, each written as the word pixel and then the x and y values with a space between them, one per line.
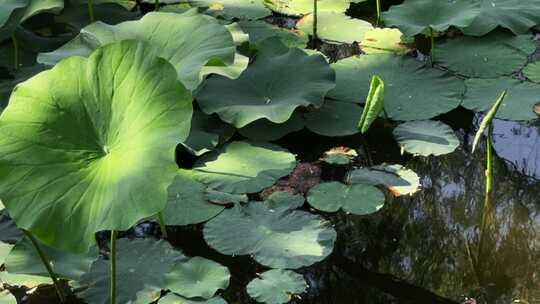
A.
pixel 276 286
pixel 339 156
pixel 426 137
pixel 70 166
pixel 398 179
pixel 383 40
pixel 517 105
pixel 28 281
pixel 284 200
pixel 334 118
pixel 272 87
pixel 231 9
pixel 277 238
pixel 206 133
pixel 516 15
pixel 417 16
pixel 489 56
pixel 244 167
pixel 198 277
pixel 532 71
pixel 335 28
pixel 411 90
pixel 303 7
pixel 356 199
pixel 7 298
pixel 486 121
pixel 172 298
pixel 264 130
pixel 141 269
pixel 259 31
pixel 222 198
pixel 374 104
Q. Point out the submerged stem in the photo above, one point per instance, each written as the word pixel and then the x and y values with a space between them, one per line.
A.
pixel 15 51
pixel 432 37
pixel 156 3
pixel 91 11
pixel 112 258
pixel 315 21
pixel 45 260
pixel 162 225
pixel 378 12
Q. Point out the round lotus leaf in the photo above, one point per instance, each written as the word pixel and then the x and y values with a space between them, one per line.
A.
pixel 26 280
pixel 335 28
pixel 277 238
pixel 7 297
pixel 383 40
pixel 272 87
pixel 71 166
pixel 231 9
pixel 172 298
pixel 284 200
pixel 532 71
pixel 416 16
pixel 141 272
pixel 398 179
pixel 264 130
pixel 206 133
pixel 222 198
pixel 276 286
pixel 24 259
pixel 339 156
pixel 356 199
pixel 412 91
pixel 426 137
pixel 334 118
pixel 519 101
pixel 259 31
pixel 198 277
pixel 303 7
pixel 188 41
pixel 244 167
pixel 516 15
pixel 489 56
pixel 187 203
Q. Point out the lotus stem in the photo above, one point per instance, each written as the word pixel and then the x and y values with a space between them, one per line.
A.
pixel 91 11
pixel 162 225
pixel 15 51
pixel 432 36
pixel 315 21
pixel 156 5
pixel 47 262
pixel 112 258
pixel 489 162
pixel 378 12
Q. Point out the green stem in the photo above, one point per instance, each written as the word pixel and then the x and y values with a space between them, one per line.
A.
pixel 91 11
pixel 162 225
pixel 45 260
pixel 112 258
pixel 432 36
pixel 15 51
pixel 156 5
pixel 489 164
pixel 378 12
pixel 315 23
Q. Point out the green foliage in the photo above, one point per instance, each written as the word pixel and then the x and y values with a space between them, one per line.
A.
pixel 335 28
pixel 532 71
pixel 396 178
pixel 488 118
pixel 276 286
pixel 374 104
pixel 334 118
pixel 356 199
pixel 230 9
pixel 172 298
pixel 383 40
pixel 426 137
pixel 303 7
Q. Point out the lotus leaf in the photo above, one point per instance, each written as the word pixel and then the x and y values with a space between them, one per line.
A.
pixel 71 165
pixel 264 130
pixel 374 104
pixel 141 270
pixel 222 198
pixel 335 28
pixel 398 179
pixel 206 133
pixel 7 8
pixel 334 118
pixel 339 156
pixel 516 15
pixel 412 91
pixel 303 7
pixel 356 199
pixel 417 16
pixel 187 203
pixel 76 16
pixel 14 12
pixel 489 56
pixel 231 9
pixel 383 40
pixel 284 200
pixel 244 167
pixel 127 4
pixel 172 298
pixel 188 41
pixel 259 31
pixel 426 137
pixel 22 74
pixel 277 238
pixel 517 105
pixel 276 286
pixel 7 298
pixel 198 277
pixel 5 249
pixel 272 87
pixel 532 71
pixel 28 281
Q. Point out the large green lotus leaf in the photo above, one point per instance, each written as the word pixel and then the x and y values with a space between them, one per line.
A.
pixel 489 56
pixel 9 232
pixel 24 259
pixel 277 238
pixel 188 41
pixel 198 277
pixel 264 130
pixel 141 268
pixel 426 137
pixel 8 6
pixel 398 179
pixel 231 9
pixel 383 40
pixel 5 249
pixel 76 16
pixel 187 203
pixel 272 87
pixel 244 167
pixel 276 286
pixel 416 16
pixel 26 280
pixel 7 298
pixel 334 118
pixel 335 28
pixel 206 133
pixel 36 7
pixel 532 71
pixel 412 91
pixel 14 12
pixel 259 31
pixel 172 298
pixel 284 200
pixel 70 167
pixel 356 199
pixel 303 7
pixel 517 105
pixel 516 15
